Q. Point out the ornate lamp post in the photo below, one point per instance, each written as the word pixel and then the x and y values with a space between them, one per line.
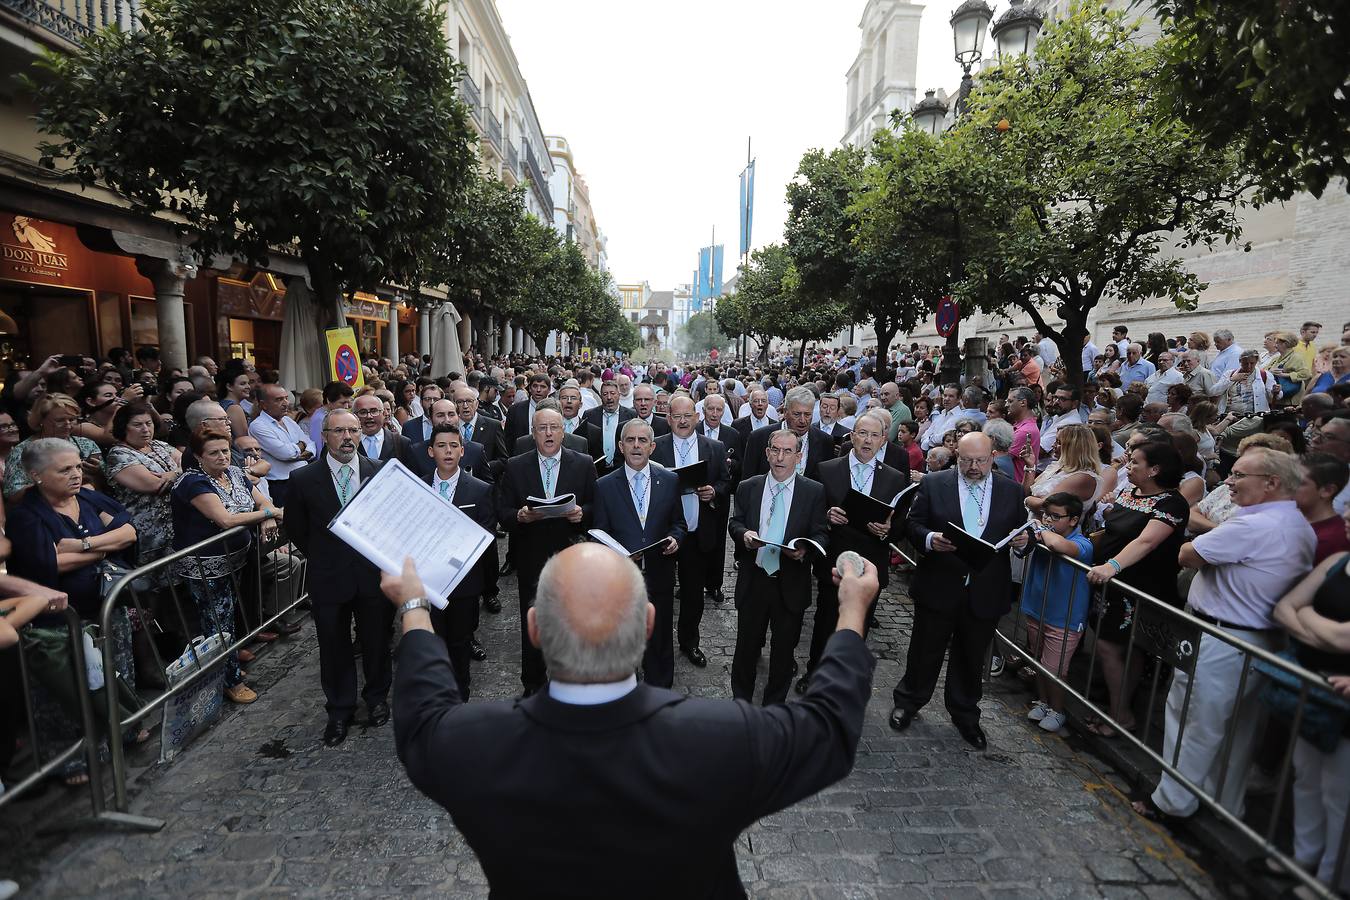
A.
pixel 1016 31
pixel 970 24
pixel 929 113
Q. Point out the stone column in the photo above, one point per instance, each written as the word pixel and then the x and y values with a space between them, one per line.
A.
pixel 424 330
pixel 465 330
pixel 169 276
pixel 391 345
pixel 504 336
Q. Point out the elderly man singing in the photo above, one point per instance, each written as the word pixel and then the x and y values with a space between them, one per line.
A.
pixel 1245 566
pixel 602 787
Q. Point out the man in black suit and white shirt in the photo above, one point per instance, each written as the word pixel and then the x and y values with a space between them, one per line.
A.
pixel 638 505
pixel 704 514
pixel 418 429
pixel 570 440
pixel 827 424
pixel 657 776
pixel 520 416
pixel 955 610
pixel 759 415
pixel 442 412
pixel 377 442
pixel 730 438
pixel 773 589
pixel 342 583
pixel 644 407
pixel 490 401
pixel 547 471
pixel 607 419
pixel 858 469
pixel 480 429
pixel 459 620
pixel 816 447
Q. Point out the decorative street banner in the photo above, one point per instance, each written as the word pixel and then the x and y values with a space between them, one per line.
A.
pixel 585 354
pixel 709 284
pixel 747 205
pixel 344 363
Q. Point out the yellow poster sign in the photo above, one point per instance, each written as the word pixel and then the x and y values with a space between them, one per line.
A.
pixel 344 362
pixel 585 354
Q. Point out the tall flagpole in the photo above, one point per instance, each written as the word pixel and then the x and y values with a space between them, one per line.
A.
pixel 745 254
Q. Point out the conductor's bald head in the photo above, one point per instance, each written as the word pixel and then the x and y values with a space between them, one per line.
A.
pixel 590 616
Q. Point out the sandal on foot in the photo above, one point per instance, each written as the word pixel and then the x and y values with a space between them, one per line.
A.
pixel 75 779
pixel 1147 809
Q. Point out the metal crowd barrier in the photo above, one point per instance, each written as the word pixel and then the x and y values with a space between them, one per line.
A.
pixel 1173 636
pixel 275 566
pixel 87 742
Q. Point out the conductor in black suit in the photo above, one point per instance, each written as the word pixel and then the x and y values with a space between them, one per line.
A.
pixel 664 782
pixel 606 419
pixel 547 471
pixel 704 514
pixel 816 447
pixel 342 583
pixel 955 610
pixel 712 428
pixel 638 505
pixel 644 408
pixel 857 470
pixel 520 417
pixel 458 621
pixel 377 442
pixel 773 589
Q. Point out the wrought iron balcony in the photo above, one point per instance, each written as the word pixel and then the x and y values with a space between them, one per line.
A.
pixel 513 159
pixel 537 178
pixel 494 129
pixel 75 20
pixel 473 97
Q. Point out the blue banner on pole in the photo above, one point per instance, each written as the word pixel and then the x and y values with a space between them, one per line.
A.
pixel 747 205
pixel 709 277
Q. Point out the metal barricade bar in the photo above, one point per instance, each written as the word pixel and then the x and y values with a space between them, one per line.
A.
pixel 1251 652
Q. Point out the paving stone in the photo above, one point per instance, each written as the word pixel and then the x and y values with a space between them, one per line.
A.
pixel 921 816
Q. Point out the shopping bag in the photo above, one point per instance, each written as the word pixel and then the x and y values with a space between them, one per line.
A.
pixel 190 713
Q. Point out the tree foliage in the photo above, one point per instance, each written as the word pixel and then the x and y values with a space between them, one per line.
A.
pixel 617 333
pixel 481 248
pixel 1073 180
pixel 327 126
pixel 774 304
pixel 1269 76
pixel 701 334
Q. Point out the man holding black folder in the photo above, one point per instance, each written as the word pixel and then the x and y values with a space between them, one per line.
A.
pixel 859 491
pixel 956 606
pixel 639 505
pixel 548 471
pixel 704 498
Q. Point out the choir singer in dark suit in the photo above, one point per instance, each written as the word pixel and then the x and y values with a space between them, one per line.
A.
pixel 606 418
pixel 458 621
pixel 548 471
pixel 712 428
pixel 860 470
pixel 600 787
pixel 638 505
pixel 816 446
pixel 376 442
pixel 955 610
pixel 704 514
pixel 342 583
pixel 773 589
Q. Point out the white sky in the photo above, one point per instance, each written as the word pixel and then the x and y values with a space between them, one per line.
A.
pixel 657 100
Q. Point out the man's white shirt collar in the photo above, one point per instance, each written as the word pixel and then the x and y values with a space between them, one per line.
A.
pixel 591 694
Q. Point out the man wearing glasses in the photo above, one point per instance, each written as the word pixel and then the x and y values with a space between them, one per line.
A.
pixel 956 609
pixel 1333 436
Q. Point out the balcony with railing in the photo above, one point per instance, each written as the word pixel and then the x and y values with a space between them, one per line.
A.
pixel 72 21
pixel 537 178
pixel 513 159
pixel 494 129
pixel 473 98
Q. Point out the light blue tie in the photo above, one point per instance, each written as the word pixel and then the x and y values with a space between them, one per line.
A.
pixel 371 450
pixel 860 477
pixel 768 556
pixel 344 482
pixel 445 491
pixel 570 425
pixel 468 431
pixel 970 509
pixel 609 439
pixel 549 466
pixel 640 496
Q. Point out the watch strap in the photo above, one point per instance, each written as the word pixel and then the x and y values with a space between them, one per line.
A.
pixel 414 603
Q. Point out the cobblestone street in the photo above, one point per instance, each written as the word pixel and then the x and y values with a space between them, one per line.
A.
pixel 259 808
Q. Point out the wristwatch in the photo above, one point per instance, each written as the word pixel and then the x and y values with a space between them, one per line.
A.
pixel 84 544
pixel 414 603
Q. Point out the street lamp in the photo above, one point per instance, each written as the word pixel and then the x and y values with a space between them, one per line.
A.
pixel 929 113
pixel 969 24
pixel 1016 30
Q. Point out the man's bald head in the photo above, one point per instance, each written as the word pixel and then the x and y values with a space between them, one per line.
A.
pixel 590 616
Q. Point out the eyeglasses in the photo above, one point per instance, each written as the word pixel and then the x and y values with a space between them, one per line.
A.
pixel 366 413
pixel 972 461
pixel 782 451
pixel 1054 517
pixel 216 419
pixel 342 431
pixel 10 427
pixel 1238 476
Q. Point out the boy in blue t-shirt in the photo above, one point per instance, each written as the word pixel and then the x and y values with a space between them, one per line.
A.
pixel 1055 601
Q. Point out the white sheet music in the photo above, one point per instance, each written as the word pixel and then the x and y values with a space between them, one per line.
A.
pixel 396 514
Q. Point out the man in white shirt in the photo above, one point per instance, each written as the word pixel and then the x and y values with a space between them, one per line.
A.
pixel 625 390
pixel 570 399
pixel 1090 354
pixel 336 395
pixel 1061 406
pixel 1163 378
pixel 713 389
pixel 1226 360
pixel 283 443
pixel 1120 336
pixel 758 410
pixel 942 419
pixel 1046 350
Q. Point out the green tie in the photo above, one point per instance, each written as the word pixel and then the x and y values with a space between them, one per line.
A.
pixel 344 481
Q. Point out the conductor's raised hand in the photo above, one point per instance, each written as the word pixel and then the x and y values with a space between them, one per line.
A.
pixel 856 593
pixel 404 586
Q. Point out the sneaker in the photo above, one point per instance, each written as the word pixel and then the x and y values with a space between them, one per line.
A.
pixel 1052 721
pixel 241 693
pixel 1037 711
pixel 995 666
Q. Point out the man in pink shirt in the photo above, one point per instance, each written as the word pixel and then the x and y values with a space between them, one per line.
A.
pixel 1023 418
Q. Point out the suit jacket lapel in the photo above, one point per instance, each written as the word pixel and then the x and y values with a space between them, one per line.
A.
pixel 796 512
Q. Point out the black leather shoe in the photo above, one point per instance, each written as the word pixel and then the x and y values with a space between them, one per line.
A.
pixel 717 596
pixel 696 657
pixel 902 718
pixel 288 628
pixel 803 683
pixel 336 732
pixel 492 604
pixel 379 714
pixel 476 650
pixel 973 735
